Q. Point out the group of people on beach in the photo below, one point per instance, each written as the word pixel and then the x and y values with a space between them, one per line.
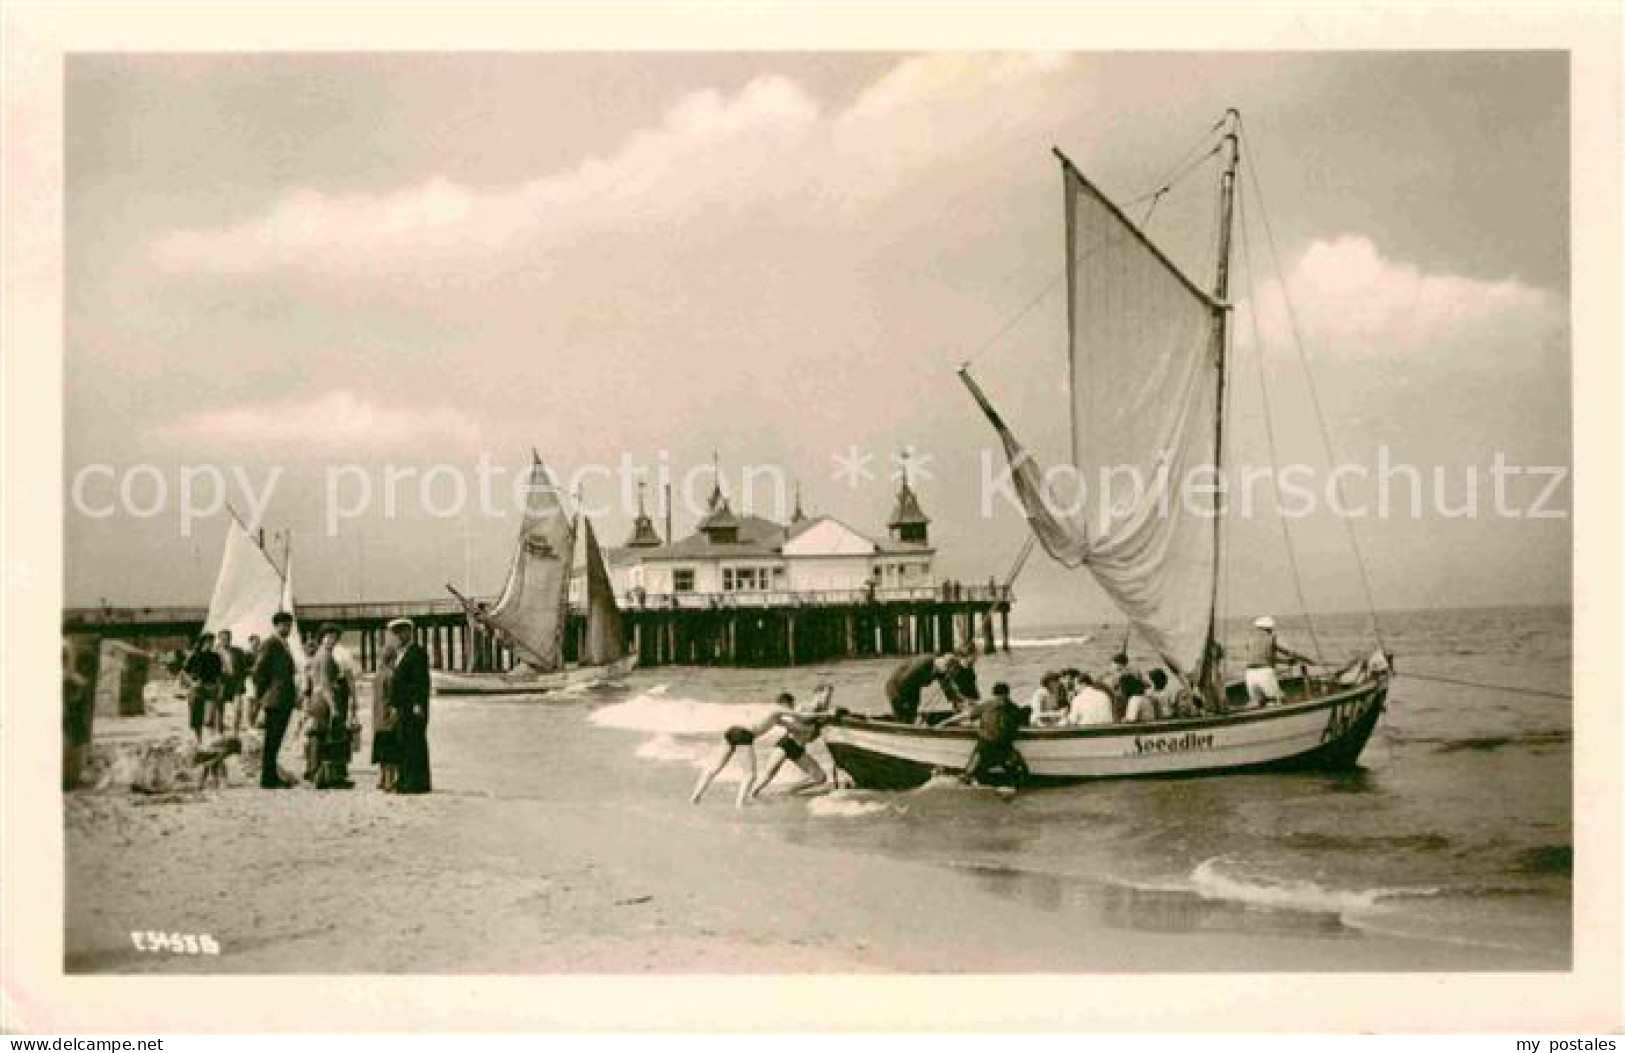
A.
pixel 266 687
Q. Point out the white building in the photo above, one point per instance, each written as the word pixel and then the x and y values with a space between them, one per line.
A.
pixel 733 558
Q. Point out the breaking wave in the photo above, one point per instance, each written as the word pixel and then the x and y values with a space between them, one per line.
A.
pixel 657 713
pixel 1209 882
pixel 843 805
pixel 1017 642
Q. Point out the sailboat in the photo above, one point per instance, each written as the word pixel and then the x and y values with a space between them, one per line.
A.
pixel 532 612
pixel 250 589
pixel 1147 372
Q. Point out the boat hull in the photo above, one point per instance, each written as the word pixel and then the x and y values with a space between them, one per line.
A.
pixel 452 683
pixel 1326 733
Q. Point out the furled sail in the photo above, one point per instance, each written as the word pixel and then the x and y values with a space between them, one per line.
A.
pixel 605 641
pixel 1144 375
pixel 532 609
pixel 248 590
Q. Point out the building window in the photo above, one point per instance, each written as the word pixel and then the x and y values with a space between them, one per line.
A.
pixel 682 579
pixel 745 579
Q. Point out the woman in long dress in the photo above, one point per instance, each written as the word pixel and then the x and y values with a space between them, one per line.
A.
pixel 385 747
pixel 332 694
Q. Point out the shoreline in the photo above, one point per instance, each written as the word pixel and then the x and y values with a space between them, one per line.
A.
pixel 356 881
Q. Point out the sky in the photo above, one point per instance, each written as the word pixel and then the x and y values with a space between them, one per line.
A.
pixel 330 266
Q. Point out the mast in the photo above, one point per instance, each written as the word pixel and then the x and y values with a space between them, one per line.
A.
pixel 1213 660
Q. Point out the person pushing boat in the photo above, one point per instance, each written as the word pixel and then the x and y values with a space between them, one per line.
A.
pixel 998 721
pixel 737 737
pixel 801 729
pixel 906 684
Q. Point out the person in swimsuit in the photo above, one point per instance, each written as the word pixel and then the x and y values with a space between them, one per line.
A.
pixel 801 729
pixel 734 738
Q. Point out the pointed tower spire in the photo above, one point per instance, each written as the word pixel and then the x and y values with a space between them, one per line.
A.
pixel 717 498
pixel 719 524
pixel 908 521
pixel 644 534
pixel 798 515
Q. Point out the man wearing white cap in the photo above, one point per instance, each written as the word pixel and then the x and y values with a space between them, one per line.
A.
pixel 409 691
pixel 1264 652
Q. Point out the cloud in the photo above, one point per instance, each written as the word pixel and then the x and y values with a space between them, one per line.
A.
pixel 1351 302
pixel 337 423
pixel 710 159
pixel 932 79
pixel 313 231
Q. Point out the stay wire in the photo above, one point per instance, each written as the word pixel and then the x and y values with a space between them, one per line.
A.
pixel 1509 688
pixel 1314 393
pixel 1179 172
pixel 1269 434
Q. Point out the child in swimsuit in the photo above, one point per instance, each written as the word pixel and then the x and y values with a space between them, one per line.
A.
pixel 801 729
pixel 734 738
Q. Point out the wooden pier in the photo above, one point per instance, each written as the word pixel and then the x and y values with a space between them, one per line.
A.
pixel 730 629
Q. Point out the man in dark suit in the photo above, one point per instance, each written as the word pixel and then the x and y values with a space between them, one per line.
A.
pixel 409 692
pixel 275 687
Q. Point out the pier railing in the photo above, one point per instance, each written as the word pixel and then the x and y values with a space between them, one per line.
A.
pixel 727 628
pixel 694 601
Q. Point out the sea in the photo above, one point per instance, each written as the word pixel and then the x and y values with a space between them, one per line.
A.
pixel 1455 827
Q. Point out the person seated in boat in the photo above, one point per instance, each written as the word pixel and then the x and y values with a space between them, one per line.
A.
pixel 1169 697
pixel 1113 683
pixel 1264 653
pixel 737 737
pixel 998 721
pixel 1138 708
pixel 802 727
pixel 909 680
pixel 1090 706
pixel 1047 705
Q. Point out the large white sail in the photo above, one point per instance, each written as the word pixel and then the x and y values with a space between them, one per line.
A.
pixel 531 612
pixel 295 643
pixel 248 590
pixel 1144 374
pixel 606 639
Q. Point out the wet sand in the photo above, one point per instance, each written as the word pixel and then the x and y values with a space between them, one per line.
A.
pixel 300 881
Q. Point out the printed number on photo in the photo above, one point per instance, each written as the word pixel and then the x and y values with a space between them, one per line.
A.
pixel 174 943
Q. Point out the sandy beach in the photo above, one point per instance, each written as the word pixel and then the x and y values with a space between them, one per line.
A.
pixel 469 880
pixel 307 882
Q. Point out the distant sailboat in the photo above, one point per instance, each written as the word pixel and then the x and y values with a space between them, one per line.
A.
pixel 1146 363
pixel 532 612
pixel 249 589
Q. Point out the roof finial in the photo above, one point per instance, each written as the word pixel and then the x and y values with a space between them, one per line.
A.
pixel 643 528
pixel 798 515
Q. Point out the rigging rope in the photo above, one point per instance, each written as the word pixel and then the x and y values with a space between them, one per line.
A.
pixel 1179 172
pixel 1167 185
pixel 1314 393
pixel 1409 675
pixel 1020 560
pixel 1269 435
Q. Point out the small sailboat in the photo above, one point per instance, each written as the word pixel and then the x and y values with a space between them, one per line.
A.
pixel 532 612
pixel 1147 372
pixel 250 589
